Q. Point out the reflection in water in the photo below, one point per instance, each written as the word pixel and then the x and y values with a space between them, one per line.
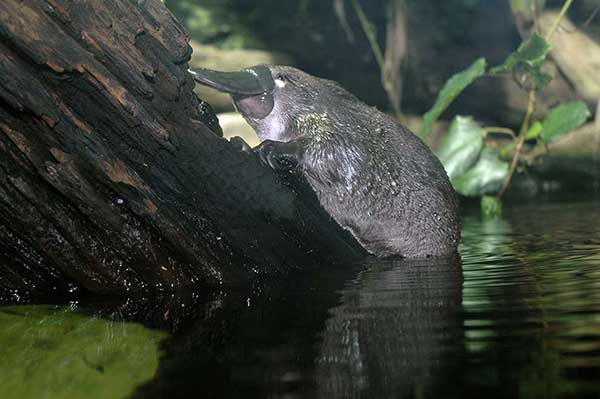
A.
pixel 532 304
pixel 386 332
pixel 519 318
pixel 392 331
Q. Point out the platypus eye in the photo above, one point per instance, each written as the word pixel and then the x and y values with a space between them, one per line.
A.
pixel 282 79
pixel 279 82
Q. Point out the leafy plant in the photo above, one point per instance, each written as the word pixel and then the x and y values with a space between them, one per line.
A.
pixel 477 170
pixel 562 119
pixel 58 352
pixel 461 147
pixel 453 87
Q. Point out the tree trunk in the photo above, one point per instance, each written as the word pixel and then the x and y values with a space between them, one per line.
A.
pixel 110 177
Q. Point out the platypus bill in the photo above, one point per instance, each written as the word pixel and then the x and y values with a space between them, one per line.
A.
pixel 372 175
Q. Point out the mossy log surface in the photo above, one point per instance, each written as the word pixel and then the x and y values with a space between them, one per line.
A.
pixel 112 177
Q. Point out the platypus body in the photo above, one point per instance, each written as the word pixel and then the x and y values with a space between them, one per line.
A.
pixel 372 175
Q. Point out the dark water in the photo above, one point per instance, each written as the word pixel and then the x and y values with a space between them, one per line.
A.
pixel 518 316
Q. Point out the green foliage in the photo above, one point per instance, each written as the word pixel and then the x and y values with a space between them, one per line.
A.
pixel 56 352
pixel 461 146
pixel 233 24
pixel 534 131
pixel 527 60
pixel 563 119
pixel 453 87
pixel 214 23
pixel 485 177
pixel 531 52
pixel 473 168
pixel 491 207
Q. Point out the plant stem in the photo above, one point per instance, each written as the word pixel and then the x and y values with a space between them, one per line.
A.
pixel 534 16
pixel 367 27
pixel 501 130
pixel 597 135
pixel 563 12
pixel 522 133
pixel 530 109
pixel 507 149
pixel 371 35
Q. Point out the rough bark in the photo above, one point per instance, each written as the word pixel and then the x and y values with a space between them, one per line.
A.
pixel 110 178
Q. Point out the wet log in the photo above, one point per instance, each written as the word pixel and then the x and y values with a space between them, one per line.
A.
pixel 113 176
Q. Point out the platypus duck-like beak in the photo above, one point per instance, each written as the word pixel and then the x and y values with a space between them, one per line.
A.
pixel 251 89
pixel 251 81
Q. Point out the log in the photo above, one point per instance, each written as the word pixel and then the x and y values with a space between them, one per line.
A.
pixel 576 54
pixel 113 175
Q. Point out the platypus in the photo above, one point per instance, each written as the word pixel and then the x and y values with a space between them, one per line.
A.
pixel 375 177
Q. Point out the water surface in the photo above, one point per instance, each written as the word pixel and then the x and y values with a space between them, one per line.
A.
pixel 517 315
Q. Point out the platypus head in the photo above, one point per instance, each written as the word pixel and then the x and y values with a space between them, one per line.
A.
pixel 271 98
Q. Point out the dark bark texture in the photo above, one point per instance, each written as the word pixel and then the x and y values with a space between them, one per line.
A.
pixel 113 176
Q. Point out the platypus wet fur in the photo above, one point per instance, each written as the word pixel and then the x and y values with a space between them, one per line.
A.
pixel 376 178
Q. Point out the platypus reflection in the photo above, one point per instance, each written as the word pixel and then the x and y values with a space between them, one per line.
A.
pixel 375 178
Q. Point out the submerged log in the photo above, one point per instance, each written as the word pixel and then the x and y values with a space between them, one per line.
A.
pixel 113 176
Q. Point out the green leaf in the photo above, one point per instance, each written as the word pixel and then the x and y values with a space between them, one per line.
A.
pixel 460 148
pixel 453 87
pixel 491 207
pixel 525 63
pixel 56 352
pixel 563 119
pixel 530 78
pixel 485 177
pixel 532 53
pixel 534 131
